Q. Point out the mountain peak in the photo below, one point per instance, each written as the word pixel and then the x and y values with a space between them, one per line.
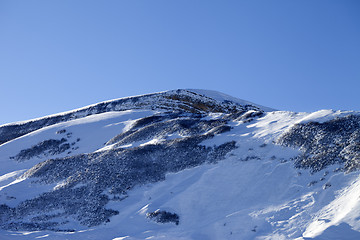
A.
pixel 181 164
pixel 183 100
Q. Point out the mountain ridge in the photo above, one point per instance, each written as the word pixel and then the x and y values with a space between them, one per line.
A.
pixel 174 100
pixel 212 94
pixel 198 168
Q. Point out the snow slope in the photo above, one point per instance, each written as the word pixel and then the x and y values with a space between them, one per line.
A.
pixel 254 192
pixel 92 131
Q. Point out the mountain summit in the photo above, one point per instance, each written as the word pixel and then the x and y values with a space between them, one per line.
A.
pixel 181 164
pixel 192 100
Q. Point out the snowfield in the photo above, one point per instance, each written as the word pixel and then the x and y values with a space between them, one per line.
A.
pixel 251 191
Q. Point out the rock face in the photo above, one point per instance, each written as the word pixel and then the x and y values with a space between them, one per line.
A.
pixel 236 170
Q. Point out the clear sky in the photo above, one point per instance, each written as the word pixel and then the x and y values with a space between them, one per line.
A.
pixel 298 55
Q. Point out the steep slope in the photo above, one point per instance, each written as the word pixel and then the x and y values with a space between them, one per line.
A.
pixel 202 166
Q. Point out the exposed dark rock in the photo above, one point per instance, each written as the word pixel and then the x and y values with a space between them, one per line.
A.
pixel 327 185
pixel 46 148
pixel 61 131
pixel 164 217
pixel 312 183
pixel 324 144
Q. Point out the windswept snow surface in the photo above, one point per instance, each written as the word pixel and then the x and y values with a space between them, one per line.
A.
pixel 87 135
pixel 255 193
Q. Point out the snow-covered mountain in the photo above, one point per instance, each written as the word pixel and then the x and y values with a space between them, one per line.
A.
pixel 182 164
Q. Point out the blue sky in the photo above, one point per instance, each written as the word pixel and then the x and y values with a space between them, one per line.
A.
pixel 299 55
